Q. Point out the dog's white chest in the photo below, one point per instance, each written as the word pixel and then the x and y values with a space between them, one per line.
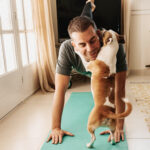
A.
pixel 108 55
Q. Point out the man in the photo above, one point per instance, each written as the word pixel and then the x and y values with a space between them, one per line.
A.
pixel 85 39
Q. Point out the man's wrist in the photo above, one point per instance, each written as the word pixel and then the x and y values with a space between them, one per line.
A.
pixel 120 124
pixel 56 127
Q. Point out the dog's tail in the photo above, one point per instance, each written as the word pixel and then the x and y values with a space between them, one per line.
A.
pixel 112 115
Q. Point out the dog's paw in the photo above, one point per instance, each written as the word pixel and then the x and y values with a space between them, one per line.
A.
pixel 89 145
pixel 113 142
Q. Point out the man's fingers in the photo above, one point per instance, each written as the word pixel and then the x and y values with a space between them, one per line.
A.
pixel 56 139
pixel 57 136
pixel 50 137
pixel 117 137
pixel 68 133
pixel 109 138
pixel 122 135
pixel 53 139
pixel 60 138
pixel 105 132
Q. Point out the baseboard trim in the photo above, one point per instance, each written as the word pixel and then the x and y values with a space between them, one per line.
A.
pixel 144 72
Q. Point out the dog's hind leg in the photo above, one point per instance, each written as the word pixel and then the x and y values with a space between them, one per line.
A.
pixel 112 138
pixel 112 131
pixel 93 138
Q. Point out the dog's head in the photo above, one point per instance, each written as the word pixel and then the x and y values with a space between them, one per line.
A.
pixel 99 68
pixel 108 36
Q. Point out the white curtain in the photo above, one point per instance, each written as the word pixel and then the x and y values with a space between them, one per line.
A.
pixel 46 53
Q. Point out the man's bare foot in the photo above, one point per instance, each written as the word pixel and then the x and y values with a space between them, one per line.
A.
pixel 92 4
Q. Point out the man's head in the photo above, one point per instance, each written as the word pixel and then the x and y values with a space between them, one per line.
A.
pixel 85 38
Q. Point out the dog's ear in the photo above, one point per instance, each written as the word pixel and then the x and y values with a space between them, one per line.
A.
pixel 100 33
pixel 120 39
pixel 103 31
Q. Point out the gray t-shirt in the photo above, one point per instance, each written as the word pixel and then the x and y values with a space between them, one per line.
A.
pixel 68 60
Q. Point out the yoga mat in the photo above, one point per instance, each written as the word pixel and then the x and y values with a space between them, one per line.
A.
pixel 74 119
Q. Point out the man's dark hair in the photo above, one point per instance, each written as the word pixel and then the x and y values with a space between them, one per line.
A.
pixel 80 24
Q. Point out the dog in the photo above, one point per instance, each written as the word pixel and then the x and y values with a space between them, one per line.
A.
pixel 101 114
pixel 110 47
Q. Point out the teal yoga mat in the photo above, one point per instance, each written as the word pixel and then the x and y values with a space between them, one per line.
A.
pixel 74 119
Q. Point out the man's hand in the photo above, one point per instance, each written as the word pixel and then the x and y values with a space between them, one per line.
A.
pixel 118 135
pixel 57 135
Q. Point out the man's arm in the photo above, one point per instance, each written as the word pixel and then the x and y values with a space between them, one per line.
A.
pixel 120 80
pixel 61 85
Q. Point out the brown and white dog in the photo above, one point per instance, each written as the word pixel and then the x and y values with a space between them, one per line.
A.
pixel 102 115
pixel 110 47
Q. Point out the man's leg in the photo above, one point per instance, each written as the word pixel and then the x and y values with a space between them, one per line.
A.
pixel 88 9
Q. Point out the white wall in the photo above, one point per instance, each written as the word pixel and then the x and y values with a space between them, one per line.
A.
pixel 140 5
pixel 139 51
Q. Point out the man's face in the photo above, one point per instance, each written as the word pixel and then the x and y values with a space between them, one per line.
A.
pixel 86 43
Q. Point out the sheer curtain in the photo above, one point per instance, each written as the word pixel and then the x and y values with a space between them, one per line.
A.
pixel 125 23
pixel 46 51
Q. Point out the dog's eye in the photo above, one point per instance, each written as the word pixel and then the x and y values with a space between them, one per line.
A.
pixel 109 40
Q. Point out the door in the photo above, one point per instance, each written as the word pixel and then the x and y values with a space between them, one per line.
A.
pixel 18 73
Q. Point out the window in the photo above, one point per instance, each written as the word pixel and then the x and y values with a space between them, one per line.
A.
pixel 7 45
pixel 17 39
pixel 26 33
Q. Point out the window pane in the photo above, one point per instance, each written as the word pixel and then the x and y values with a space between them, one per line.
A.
pixel 20 14
pixel 5 14
pixel 2 70
pixel 23 49
pixel 28 14
pixel 9 51
pixel 31 47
